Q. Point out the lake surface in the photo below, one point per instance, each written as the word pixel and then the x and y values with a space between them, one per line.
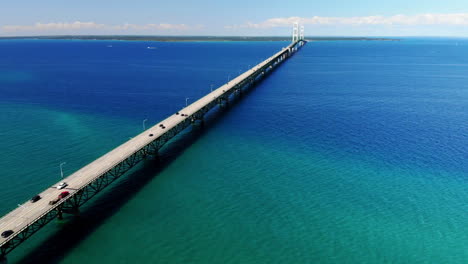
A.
pixel 350 152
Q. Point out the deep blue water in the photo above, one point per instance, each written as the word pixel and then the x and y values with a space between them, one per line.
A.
pixel 350 152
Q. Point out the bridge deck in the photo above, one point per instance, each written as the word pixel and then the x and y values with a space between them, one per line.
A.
pixel 27 213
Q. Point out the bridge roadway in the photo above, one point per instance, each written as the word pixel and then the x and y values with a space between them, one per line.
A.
pixel 27 213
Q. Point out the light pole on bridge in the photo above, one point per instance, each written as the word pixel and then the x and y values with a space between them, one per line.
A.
pixel 144 121
pixel 186 101
pixel 61 169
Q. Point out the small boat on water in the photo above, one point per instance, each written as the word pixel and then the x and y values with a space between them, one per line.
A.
pixel 151 47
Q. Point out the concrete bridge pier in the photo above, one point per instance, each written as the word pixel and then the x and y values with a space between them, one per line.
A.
pixel 201 122
pixel 59 213
pixel 251 82
pixel 154 156
pixel 198 122
pixel 223 102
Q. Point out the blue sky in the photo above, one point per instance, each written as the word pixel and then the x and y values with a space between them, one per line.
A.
pixel 240 17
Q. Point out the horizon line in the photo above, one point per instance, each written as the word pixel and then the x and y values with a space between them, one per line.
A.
pixel 234 36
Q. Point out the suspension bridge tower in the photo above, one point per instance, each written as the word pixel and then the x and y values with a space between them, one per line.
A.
pixel 295 34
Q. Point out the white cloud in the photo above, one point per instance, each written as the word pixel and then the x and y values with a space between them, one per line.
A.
pixel 53 26
pixel 407 20
pixel 180 27
pixel 77 26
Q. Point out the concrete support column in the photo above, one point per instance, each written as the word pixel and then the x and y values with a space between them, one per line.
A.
pixel 202 122
pixel 239 92
pixel 155 156
pixel 59 214
pixel 198 122
pixel 223 102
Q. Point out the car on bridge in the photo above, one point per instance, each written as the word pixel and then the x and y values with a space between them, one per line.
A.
pixel 62 185
pixel 63 195
pixel 35 198
pixel 59 197
pixel 54 201
pixel 7 233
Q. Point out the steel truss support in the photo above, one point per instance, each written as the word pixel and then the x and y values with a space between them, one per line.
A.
pixel 71 206
pixel 27 232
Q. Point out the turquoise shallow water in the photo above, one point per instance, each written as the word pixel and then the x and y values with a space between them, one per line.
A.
pixel 351 152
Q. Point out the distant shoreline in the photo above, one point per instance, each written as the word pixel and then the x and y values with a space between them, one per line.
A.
pixel 194 38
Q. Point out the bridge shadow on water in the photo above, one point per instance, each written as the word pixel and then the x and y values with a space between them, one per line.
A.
pixel 74 229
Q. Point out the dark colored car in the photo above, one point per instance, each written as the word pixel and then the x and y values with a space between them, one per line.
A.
pixel 54 201
pixel 35 198
pixel 151 135
pixel 63 195
pixel 7 233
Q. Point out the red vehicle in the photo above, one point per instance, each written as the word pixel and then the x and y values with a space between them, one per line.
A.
pixel 63 195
